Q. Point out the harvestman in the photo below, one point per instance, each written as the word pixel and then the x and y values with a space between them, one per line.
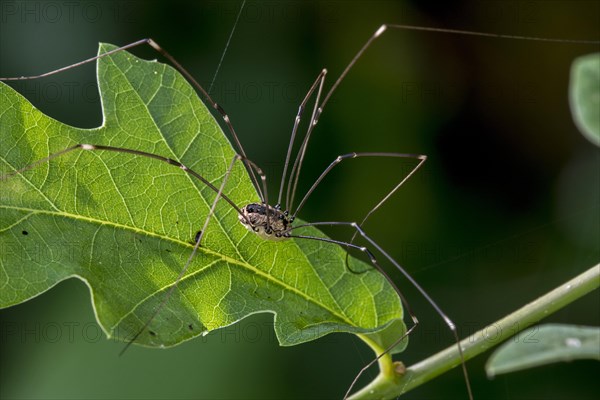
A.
pixel 276 222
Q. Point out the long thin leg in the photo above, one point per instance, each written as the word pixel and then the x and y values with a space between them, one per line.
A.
pixel 293 183
pixel 295 174
pixel 94 147
pixel 217 107
pixel 383 28
pixel 218 191
pixel 339 159
pixel 190 258
pixel 185 73
pixel 373 261
pixel 318 81
pixel 451 325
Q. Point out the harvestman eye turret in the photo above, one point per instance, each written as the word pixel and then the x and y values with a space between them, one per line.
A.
pixel 277 222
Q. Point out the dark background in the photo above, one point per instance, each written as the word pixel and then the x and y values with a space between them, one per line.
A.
pixel 505 209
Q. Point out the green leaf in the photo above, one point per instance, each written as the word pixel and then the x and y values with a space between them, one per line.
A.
pixel 125 224
pixel 545 344
pixel 584 93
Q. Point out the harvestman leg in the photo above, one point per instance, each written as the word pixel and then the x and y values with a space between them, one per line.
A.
pixel 295 172
pixel 292 186
pixel 373 261
pixel 291 190
pixel 349 156
pixel 219 194
pixel 319 81
pixel 292 183
pixel 358 227
pixel 185 73
pixel 358 230
pixel 199 236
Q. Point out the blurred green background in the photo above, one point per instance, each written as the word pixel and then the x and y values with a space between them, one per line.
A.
pixel 505 209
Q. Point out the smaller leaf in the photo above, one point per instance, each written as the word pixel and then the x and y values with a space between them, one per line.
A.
pixel 545 344
pixel 584 96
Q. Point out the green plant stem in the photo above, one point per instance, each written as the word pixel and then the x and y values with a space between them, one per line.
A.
pixel 385 386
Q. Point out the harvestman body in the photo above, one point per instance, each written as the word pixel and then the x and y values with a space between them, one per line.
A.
pixel 272 222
